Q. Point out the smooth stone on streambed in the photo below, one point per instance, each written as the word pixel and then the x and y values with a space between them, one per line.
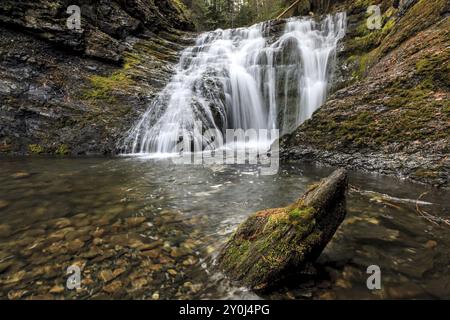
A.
pixel 62 223
pixel 57 289
pixel 135 221
pixel 5 231
pixel 21 175
pixel 276 245
pixel 4 204
pixel 113 287
pixel 4 266
pixel 75 245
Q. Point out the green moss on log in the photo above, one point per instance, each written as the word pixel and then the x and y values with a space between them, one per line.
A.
pixel 274 244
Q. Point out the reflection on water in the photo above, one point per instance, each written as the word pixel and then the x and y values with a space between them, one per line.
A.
pixel 150 229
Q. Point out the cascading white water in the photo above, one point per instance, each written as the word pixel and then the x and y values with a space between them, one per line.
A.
pixel 246 78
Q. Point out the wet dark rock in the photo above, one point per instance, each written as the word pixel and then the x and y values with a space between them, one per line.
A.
pixel 104 23
pixel 276 245
pixel 77 93
pixel 387 112
pixel 433 166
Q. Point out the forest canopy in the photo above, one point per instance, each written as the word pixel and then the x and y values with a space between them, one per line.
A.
pixel 213 14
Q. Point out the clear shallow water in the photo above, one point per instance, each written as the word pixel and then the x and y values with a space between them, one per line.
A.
pixel 150 229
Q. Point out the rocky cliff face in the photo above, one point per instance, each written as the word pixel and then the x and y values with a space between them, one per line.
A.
pixel 74 92
pixel 390 111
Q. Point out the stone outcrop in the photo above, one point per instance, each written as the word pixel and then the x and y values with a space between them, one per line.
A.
pixel 389 111
pixel 76 92
pixel 275 245
pixel 104 24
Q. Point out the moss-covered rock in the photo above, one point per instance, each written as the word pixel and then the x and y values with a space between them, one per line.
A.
pixel 35 149
pixel 390 110
pixel 275 245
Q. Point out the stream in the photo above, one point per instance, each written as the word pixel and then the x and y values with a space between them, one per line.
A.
pixel 148 229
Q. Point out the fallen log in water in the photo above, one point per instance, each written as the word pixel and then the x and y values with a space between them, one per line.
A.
pixel 276 245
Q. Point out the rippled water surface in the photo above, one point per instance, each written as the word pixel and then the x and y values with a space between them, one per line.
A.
pixel 150 229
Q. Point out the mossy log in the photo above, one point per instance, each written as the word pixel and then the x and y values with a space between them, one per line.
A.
pixel 276 245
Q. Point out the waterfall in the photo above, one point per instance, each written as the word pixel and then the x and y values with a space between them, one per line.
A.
pixel 247 78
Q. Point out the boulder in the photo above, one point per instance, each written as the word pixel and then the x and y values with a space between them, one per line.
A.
pixel 276 245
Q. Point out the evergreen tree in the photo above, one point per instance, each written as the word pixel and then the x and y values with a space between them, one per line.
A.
pixel 213 14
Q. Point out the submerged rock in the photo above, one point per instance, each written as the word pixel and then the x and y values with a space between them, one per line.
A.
pixel 4 204
pixel 5 231
pixel 275 245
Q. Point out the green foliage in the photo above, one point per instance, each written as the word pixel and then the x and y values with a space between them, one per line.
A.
pixel 304 213
pixel 36 149
pixel 423 14
pixel 63 150
pixel 213 14
pixel 102 87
